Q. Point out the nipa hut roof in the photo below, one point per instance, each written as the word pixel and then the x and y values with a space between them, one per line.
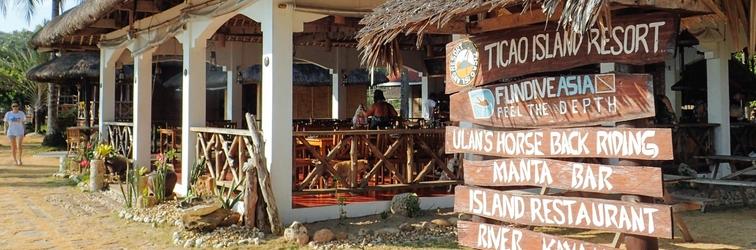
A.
pixel 75 19
pixel 68 67
pixel 303 74
pixel 214 80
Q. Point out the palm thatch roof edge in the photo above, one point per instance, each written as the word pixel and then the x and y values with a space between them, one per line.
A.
pixel 77 18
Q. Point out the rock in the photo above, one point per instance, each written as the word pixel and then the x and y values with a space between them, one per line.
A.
pixel 401 203
pixel 256 241
pixel 202 209
pixel 388 230
pixel 176 235
pixel 342 236
pixel 428 225
pixel 189 243
pixel 176 241
pixel 122 214
pixel 128 216
pixel 231 220
pixel 204 223
pixel 302 239
pixel 231 244
pixel 406 227
pixel 219 245
pixel 198 242
pixel 441 222
pixel 323 236
pixel 364 232
pixel 313 245
pixel 291 234
pixel 465 217
pixel 453 221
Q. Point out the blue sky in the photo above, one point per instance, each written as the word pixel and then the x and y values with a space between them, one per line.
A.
pixel 15 18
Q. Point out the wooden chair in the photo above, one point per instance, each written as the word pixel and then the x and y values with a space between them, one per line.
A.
pixel 73 138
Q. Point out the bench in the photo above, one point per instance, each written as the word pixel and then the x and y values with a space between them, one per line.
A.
pixel 62 155
pixel 729 179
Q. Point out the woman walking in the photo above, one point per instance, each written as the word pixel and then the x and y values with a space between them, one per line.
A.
pixel 15 119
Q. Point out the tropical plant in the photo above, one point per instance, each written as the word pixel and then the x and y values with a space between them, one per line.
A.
pixel 161 173
pixel 132 192
pixel 200 165
pixel 14 62
pixel 227 199
pixel 104 151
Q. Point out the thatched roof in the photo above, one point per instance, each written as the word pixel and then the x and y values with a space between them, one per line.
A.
pixel 73 20
pixel 214 80
pixel 362 76
pixel 377 39
pixel 68 67
pixel 303 74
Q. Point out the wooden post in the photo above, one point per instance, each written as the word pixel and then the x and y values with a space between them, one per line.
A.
pixel 353 158
pixel 410 158
pixel 250 195
pixel 263 176
pixel 636 242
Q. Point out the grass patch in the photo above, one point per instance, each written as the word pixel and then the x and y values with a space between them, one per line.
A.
pixel 57 182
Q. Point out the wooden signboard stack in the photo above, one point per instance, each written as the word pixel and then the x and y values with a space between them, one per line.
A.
pixel 557 106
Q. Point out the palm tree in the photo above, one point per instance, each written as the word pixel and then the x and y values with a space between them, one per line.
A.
pixel 14 63
pixel 29 9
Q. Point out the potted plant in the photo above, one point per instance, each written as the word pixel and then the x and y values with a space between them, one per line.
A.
pixel 97 165
pixel 164 177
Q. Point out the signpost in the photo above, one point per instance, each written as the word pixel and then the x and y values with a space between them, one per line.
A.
pixel 634 39
pixel 565 175
pixel 571 100
pixel 479 75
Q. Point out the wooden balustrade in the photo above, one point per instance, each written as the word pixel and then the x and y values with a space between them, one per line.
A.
pixel 391 159
pixel 225 151
pixel 121 137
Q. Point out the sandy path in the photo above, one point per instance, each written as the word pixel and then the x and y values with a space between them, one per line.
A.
pixel 41 212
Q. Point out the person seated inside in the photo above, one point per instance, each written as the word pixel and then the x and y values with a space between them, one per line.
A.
pixel 665 114
pixel 381 111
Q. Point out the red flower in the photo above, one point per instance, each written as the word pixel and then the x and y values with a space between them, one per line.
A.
pixel 89 145
pixel 84 163
pixel 160 158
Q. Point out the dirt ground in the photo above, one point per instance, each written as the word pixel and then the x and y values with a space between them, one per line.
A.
pixel 38 211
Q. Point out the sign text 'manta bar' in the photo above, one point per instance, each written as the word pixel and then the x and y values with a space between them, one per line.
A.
pixel 565 175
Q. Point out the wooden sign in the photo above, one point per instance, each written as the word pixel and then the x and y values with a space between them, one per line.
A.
pixel 577 100
pixel 494 237
pixel 625 143
pixel 565 175
pixel 632 218
pixel 634 39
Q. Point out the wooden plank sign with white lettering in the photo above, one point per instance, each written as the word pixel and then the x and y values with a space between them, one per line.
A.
pixel 563 101
pixel 565 175
pixel 494 237
pixel 626 143
pixel 633 39
pixel 627 217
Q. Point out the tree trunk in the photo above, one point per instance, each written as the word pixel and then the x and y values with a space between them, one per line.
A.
pixel 52 89
pixel 406 95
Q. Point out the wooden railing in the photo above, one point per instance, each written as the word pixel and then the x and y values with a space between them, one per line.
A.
pixel 391 159
pixel 225 151
pixel 124 110
pixel 121 137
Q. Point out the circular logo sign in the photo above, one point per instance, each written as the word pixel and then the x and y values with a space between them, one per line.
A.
pixel 463 63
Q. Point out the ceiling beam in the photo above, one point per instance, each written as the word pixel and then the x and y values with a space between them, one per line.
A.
pixel 512 21
pixel 142 6
pixel 105 24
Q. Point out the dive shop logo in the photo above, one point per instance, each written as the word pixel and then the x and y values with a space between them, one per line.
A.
pixel 482 101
